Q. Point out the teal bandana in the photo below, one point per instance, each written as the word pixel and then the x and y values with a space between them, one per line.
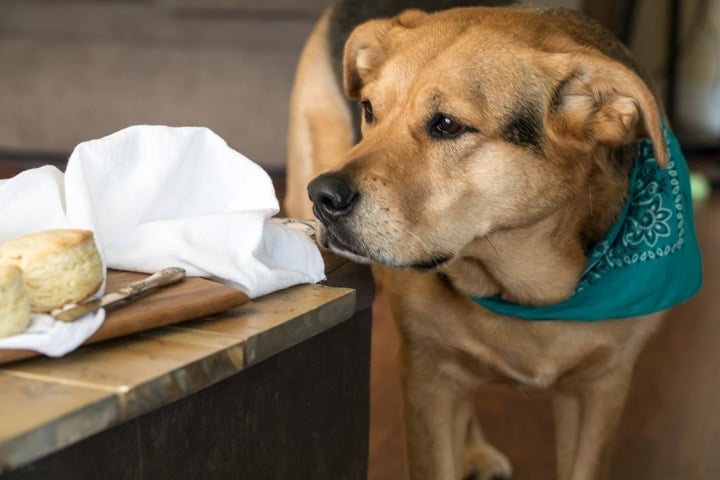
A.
pixel 650 259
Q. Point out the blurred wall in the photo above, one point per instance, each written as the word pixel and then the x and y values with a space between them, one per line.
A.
pixel 697 103
pixel 75 70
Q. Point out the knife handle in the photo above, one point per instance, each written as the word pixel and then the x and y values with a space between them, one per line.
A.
pixel 166 276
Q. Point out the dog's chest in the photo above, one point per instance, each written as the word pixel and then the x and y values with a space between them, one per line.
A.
pixel 475 347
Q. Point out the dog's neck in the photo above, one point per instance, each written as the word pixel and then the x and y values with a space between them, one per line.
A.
pixel 534 265
pixel 541 264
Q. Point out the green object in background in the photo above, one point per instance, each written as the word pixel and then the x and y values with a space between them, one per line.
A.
pixel 699 187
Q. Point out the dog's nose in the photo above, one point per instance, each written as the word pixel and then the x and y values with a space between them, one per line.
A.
pixel 332 196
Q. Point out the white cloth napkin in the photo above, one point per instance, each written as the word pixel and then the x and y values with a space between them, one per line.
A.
pixel 158 196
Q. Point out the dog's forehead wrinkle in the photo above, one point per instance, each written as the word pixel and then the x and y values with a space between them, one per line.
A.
pixel 419 50
pixel 427 80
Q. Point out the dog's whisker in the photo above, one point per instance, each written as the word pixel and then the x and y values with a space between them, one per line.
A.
pixel 420 240
pixel 493 247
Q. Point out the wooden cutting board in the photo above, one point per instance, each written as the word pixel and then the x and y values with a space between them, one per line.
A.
pixel 192 298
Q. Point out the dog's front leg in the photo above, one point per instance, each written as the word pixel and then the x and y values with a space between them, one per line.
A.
pixel 482 461
pixel 443 438
pixel 586 423
pixel 432 447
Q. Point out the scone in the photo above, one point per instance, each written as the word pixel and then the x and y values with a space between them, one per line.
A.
pixel 58 266
pixel 14 302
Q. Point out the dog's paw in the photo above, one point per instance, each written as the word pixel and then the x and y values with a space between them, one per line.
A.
pixel 485 462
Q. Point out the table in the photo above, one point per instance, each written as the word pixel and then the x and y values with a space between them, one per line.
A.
pixel 277 388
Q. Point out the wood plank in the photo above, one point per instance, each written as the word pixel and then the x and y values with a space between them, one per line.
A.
pixel 300 414
pixel 148 370
pixel 153 368
pixel 262 323
pixel 38 416
pixel 192 298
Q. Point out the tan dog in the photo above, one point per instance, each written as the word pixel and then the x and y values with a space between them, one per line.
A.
pixel 496 149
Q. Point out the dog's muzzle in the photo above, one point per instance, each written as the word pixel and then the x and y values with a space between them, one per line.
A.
pixel 333 197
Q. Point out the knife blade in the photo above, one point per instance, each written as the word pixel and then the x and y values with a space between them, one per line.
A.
pixel 130 291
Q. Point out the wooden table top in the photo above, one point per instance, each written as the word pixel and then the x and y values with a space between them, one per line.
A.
pixel 47 404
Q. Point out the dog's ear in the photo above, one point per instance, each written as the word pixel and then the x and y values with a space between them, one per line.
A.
pixel 411 17
pixel 602 101
pixel 364 48
pixel 363 54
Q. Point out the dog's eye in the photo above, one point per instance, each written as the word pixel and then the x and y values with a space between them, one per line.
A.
pixel 367 110
pixel 443 126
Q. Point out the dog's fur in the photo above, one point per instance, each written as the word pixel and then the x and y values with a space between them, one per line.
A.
pixel 496 148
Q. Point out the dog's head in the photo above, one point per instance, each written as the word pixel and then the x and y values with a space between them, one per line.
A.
pixel 477 121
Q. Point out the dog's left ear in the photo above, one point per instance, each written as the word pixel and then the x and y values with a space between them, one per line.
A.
pixel 602 101
pixel 364 51
pixel 363 55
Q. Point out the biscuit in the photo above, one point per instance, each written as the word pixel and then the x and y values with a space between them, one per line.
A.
pixel 58 266
pixel 14 301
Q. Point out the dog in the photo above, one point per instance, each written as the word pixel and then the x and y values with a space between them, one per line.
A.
pixel 516 181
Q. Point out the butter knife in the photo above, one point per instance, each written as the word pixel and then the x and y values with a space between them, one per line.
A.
pixel 164 277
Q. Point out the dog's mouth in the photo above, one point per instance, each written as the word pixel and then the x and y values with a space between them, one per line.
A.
pixel 328 239
pixel 432 263
pixel 358 252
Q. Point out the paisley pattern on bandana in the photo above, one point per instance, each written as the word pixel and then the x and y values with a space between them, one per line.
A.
pixel 648 261
pixel 652 224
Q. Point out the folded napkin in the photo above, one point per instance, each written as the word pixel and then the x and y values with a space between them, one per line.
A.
pixel 158 196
